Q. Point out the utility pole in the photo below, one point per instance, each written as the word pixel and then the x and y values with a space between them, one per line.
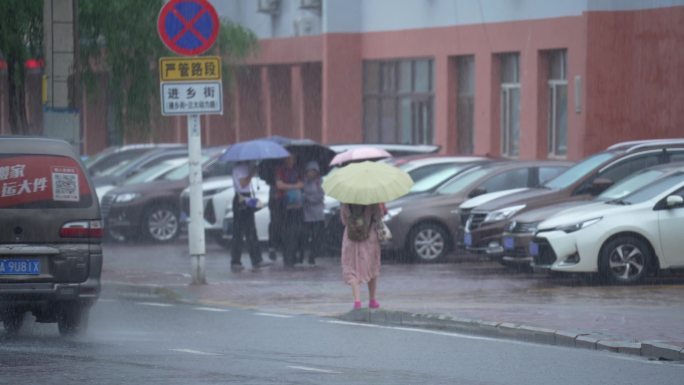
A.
pixel 61 117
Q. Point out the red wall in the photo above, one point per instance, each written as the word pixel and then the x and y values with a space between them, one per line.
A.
pixel 635 76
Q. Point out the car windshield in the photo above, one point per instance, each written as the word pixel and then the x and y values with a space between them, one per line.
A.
pixel 460 183
pixel 155 171
pixel 433 180
pixel 631 184
pixel 180 172
pixel 574 173
pixel 654 189
pixel 109 162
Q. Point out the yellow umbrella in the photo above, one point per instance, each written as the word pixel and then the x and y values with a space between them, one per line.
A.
pixel 367 183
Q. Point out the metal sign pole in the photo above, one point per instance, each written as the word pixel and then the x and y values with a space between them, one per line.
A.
pixel 196 226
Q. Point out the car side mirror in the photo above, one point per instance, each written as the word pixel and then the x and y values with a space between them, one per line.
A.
pixel 674 201
pixel 599 185
pixel 477 192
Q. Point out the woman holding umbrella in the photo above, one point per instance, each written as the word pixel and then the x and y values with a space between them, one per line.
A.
pixel 361 187
pixel 361 250
pixel 244 202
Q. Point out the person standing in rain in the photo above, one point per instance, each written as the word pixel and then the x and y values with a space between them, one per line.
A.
pixel 289 185
pixel 361 250
pixel 313 210
pixel 275 208
pixel 244 207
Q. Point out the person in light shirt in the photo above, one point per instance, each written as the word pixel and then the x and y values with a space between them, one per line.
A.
pixel 244 228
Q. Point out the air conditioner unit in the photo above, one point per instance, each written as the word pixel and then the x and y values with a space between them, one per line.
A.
pixel 305 25
pixel 310 4
pixel 271 7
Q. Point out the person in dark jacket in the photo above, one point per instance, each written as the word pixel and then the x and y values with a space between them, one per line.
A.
pixel 289 184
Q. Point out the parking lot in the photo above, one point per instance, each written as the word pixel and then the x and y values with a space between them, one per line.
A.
pixel 463 287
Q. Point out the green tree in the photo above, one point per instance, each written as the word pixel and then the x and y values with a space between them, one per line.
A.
pixel 21 38
pixel 121 35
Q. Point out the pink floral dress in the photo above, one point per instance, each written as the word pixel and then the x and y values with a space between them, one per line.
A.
pixel 361 260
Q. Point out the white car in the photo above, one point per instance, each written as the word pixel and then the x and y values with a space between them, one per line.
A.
pixel 217 194
pixel 622 239
pixel 262 218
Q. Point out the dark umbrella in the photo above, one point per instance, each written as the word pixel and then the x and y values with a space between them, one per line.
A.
pixel 305 150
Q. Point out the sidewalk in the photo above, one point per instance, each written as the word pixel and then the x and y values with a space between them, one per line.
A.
pixel 472 297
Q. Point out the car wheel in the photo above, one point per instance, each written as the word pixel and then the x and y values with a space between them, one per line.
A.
pixel 428 243
pixel 625 260
pixel 12 321
pixel 161 223
pixel 72 320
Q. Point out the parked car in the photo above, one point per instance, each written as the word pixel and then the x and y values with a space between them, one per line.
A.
pixel 262 218
pixel 115 156
pixel 428 173
pixel 114 177
pixel 147 205
pixel 485 224
pixel 426 226
pixel 623 239
pixel 397 150
pixel 50 233
pixel 520 231
pixel 217 195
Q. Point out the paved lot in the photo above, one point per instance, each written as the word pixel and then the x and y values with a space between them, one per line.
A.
pixel 470 288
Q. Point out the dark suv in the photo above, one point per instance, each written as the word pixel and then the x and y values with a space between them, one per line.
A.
pixel 50 233
pixel 485 224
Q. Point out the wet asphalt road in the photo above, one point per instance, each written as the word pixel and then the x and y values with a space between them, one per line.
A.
pixel 137 342
pixel 471 288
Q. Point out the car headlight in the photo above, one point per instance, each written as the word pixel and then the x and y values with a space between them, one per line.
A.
pixel 579 225
pixel 503 214
pixel 391 213
pixel 127 197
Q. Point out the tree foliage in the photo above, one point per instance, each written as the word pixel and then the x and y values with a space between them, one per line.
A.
pixel 120 37
pixel 21 38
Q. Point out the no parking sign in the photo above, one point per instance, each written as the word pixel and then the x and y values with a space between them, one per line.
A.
pixel 188 27
pixel 191 86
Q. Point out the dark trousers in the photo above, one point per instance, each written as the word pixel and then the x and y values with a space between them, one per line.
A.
pixel 244 227
pixel 275 226
pixel 314 238
pixel 292 235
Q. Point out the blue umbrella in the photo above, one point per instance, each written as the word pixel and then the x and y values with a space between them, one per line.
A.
pixel 258 149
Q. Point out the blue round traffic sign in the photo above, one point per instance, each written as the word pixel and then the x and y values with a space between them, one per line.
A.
pixel 188 27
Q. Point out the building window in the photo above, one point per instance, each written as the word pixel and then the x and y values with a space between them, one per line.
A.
pixel 465 107
pixel 510 104
pixel 397 102
pixel 558 103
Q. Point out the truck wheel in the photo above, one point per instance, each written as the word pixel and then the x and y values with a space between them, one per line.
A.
pixel 72 320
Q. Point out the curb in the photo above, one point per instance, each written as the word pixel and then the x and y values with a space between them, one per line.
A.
pixel 141 292
pixel 658 350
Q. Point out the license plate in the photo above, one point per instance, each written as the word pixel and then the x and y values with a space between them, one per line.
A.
pixel 508 243
pixel 19 267
pixel 534 249
pixel 468 239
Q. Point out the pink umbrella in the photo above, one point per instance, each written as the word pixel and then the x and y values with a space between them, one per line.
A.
pixel 358 154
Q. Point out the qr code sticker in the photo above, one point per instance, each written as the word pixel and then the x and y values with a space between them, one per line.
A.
pixel 65 187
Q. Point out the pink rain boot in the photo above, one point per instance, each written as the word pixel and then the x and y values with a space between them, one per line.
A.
pixel 373 304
